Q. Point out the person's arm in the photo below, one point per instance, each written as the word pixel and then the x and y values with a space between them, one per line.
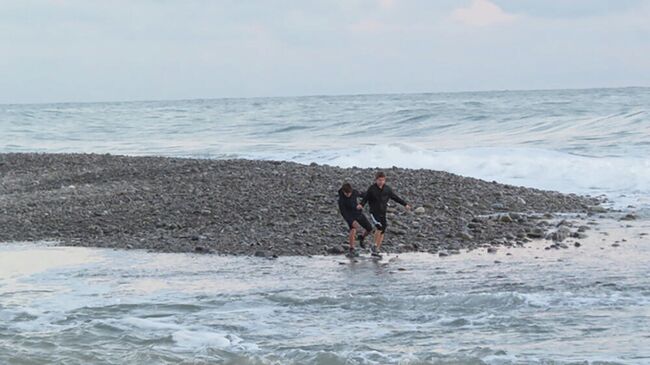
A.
pixel 399 200
pixel 341 206
pixel 364 199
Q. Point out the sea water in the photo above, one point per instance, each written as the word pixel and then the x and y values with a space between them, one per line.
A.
pixel 587 305
pixel 518 306
pixel 558 139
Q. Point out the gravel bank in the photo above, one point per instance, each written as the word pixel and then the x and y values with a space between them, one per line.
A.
pixel 245 207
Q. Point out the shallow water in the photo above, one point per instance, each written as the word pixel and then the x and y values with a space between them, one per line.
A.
pixel 81 306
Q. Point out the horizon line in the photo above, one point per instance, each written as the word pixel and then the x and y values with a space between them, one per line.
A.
pixel 323 95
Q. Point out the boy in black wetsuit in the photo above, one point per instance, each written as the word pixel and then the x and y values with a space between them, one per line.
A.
pixel 354 217
pixel 377 197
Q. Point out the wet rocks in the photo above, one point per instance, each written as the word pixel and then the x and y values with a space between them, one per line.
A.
pixel 465 235
pixel 261 253
pixel 505 218
pixel 629 217
pixel 336 250
pixel 259 208
pixel 561 234
pixel 536 232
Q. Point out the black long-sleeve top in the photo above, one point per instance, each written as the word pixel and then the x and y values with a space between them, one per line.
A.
pixel 348 206
pixel 378 198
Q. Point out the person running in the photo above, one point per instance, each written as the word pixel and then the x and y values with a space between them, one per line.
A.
pixel 354 217
pixel 377 198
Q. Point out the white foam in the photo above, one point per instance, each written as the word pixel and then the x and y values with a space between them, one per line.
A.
pixel 150 324
pixel 625 180
pixel 203 339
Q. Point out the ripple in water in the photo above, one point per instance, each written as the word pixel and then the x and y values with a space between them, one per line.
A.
pixel 80 306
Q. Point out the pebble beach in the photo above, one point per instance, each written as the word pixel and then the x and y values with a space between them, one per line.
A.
pixel 264 208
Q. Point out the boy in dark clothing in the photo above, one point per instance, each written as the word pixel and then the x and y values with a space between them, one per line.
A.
pixel 354 217
pixel 377 197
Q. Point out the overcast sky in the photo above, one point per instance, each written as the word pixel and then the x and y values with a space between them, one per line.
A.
pixel 83 50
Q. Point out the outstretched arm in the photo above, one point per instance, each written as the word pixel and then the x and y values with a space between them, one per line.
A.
pixel 399 200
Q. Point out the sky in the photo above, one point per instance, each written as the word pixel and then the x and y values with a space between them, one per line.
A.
pixel 91 50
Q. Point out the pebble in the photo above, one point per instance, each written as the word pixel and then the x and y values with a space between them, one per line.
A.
pixel 629 217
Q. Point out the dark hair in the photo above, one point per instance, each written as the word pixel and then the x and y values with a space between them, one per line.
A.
pixel 347 188
pixel 379 174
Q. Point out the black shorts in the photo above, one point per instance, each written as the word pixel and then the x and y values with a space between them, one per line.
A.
pixel 362 220
pixel 379 221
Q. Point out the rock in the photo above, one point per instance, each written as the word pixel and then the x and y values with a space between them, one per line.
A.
pixel 615 245
pixel 579 235
pixel 597 209
pixel 443 254
pixel 465 235
pixel 492 250
pixel 505 218
pixel 561 234
pixel 577 244
pixel 260 253
pixel 336 250
pixel 629 217
pixel 419 210
pixel 536 233
pixel 498 206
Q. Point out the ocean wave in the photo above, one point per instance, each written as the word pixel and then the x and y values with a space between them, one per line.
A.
pixel 623 179
pixel 582 141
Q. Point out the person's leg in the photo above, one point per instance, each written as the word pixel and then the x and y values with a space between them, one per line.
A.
pixel 382 231
pixel 378 237
pixel 380 240
pixel 378 230
pixel 352 236
pixel 367 227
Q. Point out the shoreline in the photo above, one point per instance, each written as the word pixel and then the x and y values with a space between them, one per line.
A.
pixel 263 208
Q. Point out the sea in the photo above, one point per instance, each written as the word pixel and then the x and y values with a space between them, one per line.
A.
pixel 526 306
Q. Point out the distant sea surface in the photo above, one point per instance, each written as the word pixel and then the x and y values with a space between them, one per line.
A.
pixel 594 141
